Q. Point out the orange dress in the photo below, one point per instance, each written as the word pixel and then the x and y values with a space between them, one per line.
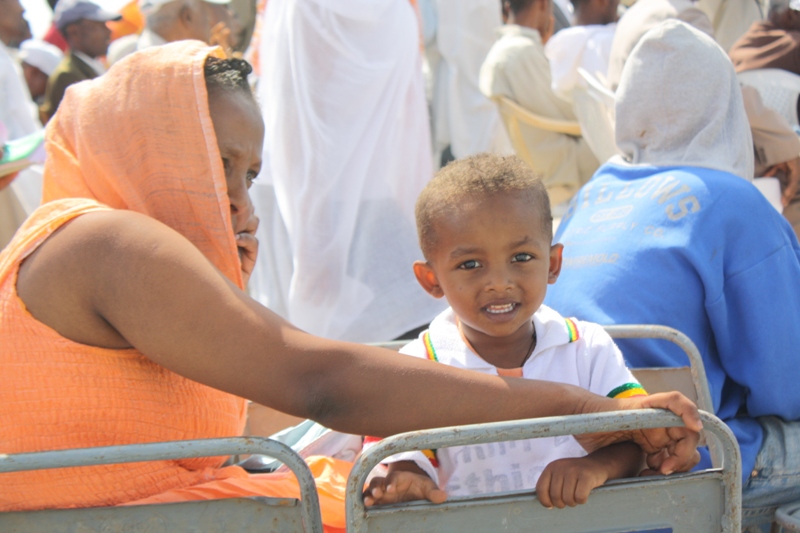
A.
pixel 139 138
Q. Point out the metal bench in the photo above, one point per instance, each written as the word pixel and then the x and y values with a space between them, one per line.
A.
pixel 213 516
pixel 708 501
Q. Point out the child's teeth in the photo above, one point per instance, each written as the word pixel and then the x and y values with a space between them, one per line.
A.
pixel 500 308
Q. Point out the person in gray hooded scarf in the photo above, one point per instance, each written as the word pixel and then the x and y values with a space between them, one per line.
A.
pixel 672 232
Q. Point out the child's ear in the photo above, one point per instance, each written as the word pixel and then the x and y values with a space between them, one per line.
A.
pixel 427 278
pixel 555 263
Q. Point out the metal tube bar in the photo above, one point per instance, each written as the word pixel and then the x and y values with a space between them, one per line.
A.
pixel 158 451
pixel 545 427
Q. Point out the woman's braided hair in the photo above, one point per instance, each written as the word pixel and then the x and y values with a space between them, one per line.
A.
pixel 227 75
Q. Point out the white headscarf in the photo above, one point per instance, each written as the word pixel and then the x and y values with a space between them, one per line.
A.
pixel 679 104
pixel 348 151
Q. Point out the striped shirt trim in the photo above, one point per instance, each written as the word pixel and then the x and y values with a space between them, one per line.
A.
pixel 430 351
pixel 627 390
pixel 572 329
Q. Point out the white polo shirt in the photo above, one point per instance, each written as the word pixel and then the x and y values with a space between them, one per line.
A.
pixel 567 351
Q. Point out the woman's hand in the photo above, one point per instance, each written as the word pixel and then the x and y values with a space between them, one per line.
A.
pixel 247 245
pixel 668 449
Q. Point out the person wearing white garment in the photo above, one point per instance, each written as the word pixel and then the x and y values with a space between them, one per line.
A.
pixel 587 45
pixel 39 60
pixel 16 108
pixel 516 68
pixel 347 147
pixel 17 111
pixel 464 119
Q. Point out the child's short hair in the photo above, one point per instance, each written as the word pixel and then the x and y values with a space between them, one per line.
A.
pixel 482 174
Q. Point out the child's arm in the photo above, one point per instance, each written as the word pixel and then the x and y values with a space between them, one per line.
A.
pixel 405 482
pixel 569 481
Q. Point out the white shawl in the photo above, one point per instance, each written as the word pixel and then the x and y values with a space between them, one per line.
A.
pixel 348 151
pixel 679 104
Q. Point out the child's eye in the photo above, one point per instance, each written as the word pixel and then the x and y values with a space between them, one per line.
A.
pixel 469 265
pixel 521 258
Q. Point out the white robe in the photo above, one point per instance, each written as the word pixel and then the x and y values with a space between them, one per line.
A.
pixel 587 47
pixel 17 115
pixel 463 117
pixel 347 152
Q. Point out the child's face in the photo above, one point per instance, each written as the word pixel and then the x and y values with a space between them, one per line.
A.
pixel 493 262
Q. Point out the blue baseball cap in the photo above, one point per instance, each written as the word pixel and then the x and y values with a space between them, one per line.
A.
pixel 70 11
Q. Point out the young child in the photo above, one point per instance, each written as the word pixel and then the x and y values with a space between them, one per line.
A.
pixel 485 229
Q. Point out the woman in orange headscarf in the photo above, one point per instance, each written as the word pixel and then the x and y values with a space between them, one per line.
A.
pixel 123 320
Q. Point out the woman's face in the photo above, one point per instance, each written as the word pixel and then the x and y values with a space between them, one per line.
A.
pixel 240 138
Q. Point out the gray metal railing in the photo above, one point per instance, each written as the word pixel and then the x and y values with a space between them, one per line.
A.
pixel 189 449
pixel 357 514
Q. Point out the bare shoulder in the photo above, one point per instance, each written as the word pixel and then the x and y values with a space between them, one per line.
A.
pixel 89 256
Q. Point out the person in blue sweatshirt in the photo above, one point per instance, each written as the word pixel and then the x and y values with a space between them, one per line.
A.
pixel 672 232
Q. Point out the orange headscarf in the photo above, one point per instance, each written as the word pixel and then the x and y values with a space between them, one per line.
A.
pixel 141 138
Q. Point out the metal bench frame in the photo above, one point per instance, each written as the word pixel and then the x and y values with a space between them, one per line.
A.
pixel 167 516
pixel 668 501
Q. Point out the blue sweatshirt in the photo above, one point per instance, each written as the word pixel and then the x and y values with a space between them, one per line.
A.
pixel 703 252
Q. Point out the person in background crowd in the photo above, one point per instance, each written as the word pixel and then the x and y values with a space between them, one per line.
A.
pixel 53 36
pixel 587 44
pixel 17 110
pixel 673 233
pixel 39 60
pixel 771 43
pixel 640 18
pixel 83 24
pixel 346 175
pixel 776 148
pixel 465 121
pixel 731 18
pixel 516 68
pixel 167 21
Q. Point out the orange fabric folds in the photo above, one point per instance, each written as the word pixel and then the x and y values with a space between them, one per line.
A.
pixel 139 138
pixel 59 394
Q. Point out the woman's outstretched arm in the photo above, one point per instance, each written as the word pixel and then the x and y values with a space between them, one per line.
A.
pixel 117 279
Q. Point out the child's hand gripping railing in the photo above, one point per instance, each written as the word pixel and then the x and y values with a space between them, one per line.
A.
pixel 687 503
pixel 235 514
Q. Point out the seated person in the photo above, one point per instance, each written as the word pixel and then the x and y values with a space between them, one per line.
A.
pixel 517 68
pixel 494 272
pixel 771 43
pixel 673 233
pixel 641 17
pixel 124 317
pixel 587 44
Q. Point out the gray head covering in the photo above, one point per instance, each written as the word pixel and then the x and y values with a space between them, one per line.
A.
pixel 679 104
pixel 70 11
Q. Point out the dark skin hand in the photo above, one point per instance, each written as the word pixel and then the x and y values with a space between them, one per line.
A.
pixel 565 482
pixel 119 279
pixel 788 173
